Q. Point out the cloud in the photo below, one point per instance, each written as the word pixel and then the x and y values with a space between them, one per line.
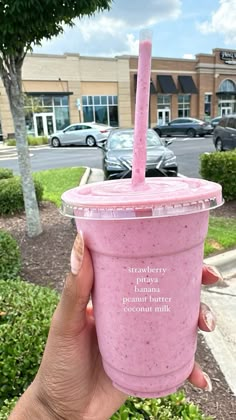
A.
pixel 189 56
pixel 113 32
pixel 222 21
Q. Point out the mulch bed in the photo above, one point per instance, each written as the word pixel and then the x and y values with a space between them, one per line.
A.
pixel 46 262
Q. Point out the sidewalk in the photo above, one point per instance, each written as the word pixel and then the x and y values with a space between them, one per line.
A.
pixel 222 300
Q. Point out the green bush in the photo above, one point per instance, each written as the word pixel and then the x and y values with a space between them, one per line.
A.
pixel 221 168
pixel 11 195
pixel 37 141
pixel 174 407
pixel 7 407
pixel 9 256
pixel 32 141
pixel 26 311
pixel 11 142
pixel 6 173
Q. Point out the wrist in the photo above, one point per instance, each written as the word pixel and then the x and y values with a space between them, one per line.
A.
pixel 30 407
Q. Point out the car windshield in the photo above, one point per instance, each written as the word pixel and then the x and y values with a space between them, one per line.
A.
pixel 124 140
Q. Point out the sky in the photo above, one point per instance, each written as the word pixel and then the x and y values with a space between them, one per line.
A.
pixel 181 29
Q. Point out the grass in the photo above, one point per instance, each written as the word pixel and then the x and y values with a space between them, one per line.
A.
pixel 57 181
pixel 221 235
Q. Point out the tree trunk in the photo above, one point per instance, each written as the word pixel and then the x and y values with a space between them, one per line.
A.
pixel 13 85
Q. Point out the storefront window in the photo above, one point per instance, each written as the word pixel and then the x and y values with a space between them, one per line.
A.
pixel 36 108
pixel 163 101
pixel 1 137
pixel 207 105
pixel 62 117
pixel 101 109
pixel 184 105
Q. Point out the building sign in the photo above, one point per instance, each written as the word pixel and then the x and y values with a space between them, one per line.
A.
pixel 229 57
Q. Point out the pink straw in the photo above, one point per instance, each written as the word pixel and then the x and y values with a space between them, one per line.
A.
pixel 142 108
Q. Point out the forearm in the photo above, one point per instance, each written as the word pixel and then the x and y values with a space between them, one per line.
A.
pixel 30 408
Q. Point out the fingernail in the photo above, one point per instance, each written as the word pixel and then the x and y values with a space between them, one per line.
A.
pixel 77 254
pixel 210 320
pixel 215 271
pixel 208 386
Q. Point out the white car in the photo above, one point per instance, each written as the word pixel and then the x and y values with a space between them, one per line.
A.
pixel 87 134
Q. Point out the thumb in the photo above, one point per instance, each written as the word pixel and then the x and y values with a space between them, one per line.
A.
pixel 70 316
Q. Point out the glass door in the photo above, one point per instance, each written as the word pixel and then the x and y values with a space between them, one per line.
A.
pixel 226 110
pixel 163 116
pixel 44 124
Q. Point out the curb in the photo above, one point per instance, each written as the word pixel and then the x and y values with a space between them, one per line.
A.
pixel 225 262
pixel 85 177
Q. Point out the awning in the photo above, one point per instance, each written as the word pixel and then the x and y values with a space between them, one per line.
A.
pixel 167 84
pixel 152 86
pixel 49 93
pixel 226 92
pixel 187 84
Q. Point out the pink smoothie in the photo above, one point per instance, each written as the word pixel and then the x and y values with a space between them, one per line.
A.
pixel 147 252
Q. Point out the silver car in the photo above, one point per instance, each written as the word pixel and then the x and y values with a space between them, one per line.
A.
pixel 85 134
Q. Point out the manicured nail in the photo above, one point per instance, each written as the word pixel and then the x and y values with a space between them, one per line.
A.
pixel 210 319
pixel 77 254
pixel 208 386
pixel 215 271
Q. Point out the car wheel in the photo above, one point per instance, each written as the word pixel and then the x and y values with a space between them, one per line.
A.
pixel 90 141
pixel 55 142
pixel 219 145
pixel 191 132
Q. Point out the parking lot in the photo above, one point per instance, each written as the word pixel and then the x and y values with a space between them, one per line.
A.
pixel 187 150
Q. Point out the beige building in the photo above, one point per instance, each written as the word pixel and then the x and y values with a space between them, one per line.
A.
pixel 65 89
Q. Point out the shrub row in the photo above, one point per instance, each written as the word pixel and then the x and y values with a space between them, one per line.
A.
pixel 26 311
pixel 9 256
pixel 32 141
pixel 6 173
pixel 24 323
pixel 11 195
pixel 221 168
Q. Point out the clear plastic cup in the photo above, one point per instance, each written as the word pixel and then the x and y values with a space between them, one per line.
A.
pixel 147 252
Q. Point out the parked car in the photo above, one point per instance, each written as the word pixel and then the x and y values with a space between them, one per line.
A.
pixel 118 154
pixel 224 135
pixel 87 134
pixel 215 121
pixel 184 126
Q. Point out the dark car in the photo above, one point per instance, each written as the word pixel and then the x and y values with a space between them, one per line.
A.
pixel 224 136
pixel 215 121
pixel 184 126
pixel 118 155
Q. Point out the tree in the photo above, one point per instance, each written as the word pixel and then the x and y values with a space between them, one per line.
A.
pixel 25 23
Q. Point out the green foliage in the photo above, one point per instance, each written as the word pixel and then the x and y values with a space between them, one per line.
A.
pixel 9 256
pixel 32 141
pixel 11 195
pixel 19 31
pixel 174 407
pixel 26 311
pixel 221 168
pixel 57 181
pixel 7 407
pixel 11 142
pixel 37 141
pixel 6 173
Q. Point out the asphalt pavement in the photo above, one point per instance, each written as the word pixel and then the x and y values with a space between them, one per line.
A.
pixel 187 151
